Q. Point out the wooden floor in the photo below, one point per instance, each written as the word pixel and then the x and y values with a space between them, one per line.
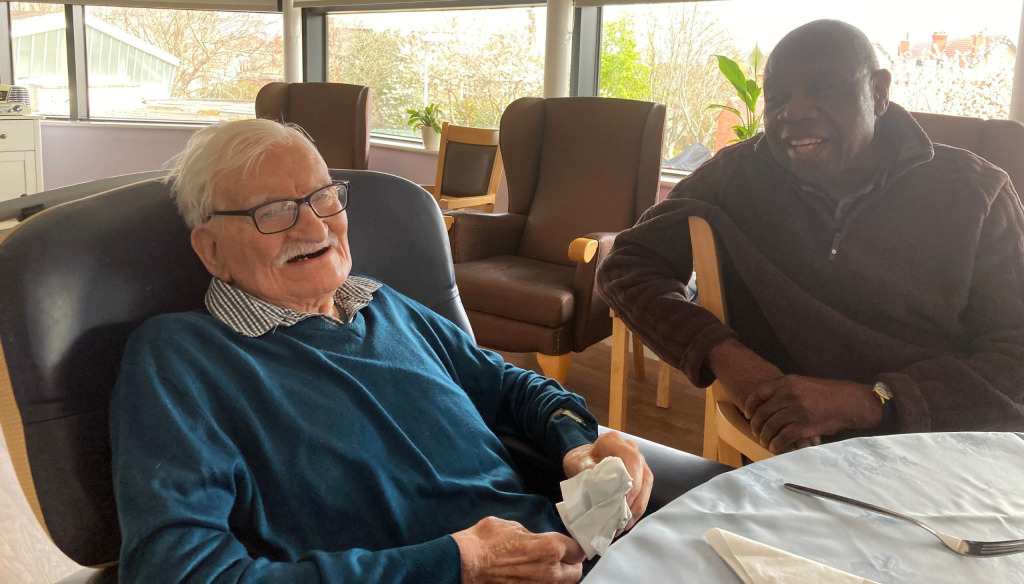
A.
pixel 28 557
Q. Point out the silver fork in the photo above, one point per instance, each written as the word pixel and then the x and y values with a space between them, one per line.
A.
pixel 965 547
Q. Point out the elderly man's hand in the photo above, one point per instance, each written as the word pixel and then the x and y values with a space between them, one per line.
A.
pixel 587 456
pixel 794 411
pixel 497 550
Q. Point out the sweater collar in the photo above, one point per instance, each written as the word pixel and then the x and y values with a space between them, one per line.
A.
pixel 901 137
pixel 249 316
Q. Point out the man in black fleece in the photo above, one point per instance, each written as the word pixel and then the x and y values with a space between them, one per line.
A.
pixel 875 280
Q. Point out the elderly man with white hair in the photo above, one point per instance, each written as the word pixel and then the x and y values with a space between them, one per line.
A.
pixel 318 426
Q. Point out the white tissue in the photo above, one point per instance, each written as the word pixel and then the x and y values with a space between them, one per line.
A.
pixel 593 505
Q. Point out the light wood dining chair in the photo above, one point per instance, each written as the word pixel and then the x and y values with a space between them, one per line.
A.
pixel 727 433
pixel 468 168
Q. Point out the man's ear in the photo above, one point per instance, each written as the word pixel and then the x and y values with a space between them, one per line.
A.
pixel 204 242
pixel 880 81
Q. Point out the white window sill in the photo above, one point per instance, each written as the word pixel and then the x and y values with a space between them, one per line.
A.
pixel 668 177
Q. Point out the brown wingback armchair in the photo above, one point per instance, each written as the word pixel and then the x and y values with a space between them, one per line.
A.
pixel 997 141
pixel 335 115
pixel 579 170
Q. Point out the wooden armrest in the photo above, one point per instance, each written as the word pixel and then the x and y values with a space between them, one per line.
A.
pixel 448 222
pixel 582 249
pixel 429 188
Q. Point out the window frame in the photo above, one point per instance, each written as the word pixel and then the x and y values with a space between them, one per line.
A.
pixel 584 69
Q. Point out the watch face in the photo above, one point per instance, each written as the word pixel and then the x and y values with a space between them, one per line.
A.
pixel 883 390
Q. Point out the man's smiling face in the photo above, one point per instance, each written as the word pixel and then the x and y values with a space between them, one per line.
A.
pixel 299 268
pixel 821 105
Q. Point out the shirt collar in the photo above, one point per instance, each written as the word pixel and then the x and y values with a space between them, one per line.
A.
pixel 249 316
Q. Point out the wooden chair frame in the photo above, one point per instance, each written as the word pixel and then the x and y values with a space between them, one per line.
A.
pixel 466 135
pixel 727 433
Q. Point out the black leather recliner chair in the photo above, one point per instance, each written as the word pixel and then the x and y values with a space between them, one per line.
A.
pixel 80 277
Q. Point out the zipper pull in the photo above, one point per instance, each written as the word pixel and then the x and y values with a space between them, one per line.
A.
pixel 835 246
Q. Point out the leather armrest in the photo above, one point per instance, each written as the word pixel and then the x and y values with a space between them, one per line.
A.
pixel 476 236
pixel 675 472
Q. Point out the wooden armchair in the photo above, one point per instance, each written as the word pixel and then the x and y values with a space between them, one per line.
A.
pixel 727 434
pixel 468 168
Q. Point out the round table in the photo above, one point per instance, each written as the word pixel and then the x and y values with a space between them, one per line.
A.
pixel 970 485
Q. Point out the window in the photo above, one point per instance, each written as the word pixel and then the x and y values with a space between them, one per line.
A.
pixel 472 63
pixel 180 64
pixel 39 48
pixel 664 53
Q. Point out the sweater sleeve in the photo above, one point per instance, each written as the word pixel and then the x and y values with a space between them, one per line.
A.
pixel 509 398
pixel 179 482
pixel 983 387
pixel 644 280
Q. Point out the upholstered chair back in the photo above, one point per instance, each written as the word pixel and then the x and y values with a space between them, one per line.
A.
pixel 335 115
pixel 1001 142
pixel 80 277
pixel 579 165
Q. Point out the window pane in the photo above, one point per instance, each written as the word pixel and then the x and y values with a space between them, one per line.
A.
pixel 665 53
pixel 40 55
pixel 180 64
pixel 472 63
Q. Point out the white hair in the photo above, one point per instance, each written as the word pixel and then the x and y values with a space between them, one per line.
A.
pixel 223 148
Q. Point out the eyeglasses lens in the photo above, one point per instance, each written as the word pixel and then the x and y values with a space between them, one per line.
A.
pixel 281 215
pixel 329 200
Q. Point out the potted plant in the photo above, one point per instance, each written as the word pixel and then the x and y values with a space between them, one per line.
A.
pixel 746 89
pixel 428 122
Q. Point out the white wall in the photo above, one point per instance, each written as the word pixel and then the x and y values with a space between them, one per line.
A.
pixel 79 152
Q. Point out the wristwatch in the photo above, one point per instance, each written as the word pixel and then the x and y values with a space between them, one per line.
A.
pixel 882 391
pixel 562 412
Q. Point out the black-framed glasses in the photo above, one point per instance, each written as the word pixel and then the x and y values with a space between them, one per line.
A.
pixel 282 214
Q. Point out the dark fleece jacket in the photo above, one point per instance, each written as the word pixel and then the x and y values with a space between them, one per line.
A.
pixel 919 285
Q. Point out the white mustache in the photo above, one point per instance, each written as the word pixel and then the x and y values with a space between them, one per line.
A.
pixel 296 249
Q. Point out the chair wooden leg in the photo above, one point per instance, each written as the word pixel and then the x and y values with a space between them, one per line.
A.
pixel 638 358
pixel 664 378
pixel 617 395
pixel 710 429
pixel 555 366
pixel 729 455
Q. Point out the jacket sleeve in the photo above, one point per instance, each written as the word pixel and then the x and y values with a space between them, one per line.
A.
pixel 178 480
pixel 983 387
pixel 644 280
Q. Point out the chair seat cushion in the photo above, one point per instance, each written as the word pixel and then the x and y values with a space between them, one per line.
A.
pixel 519 288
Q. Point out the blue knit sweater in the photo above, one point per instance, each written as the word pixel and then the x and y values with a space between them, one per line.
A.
pixel 318 452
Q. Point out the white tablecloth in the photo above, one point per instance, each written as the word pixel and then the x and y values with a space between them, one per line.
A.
pixel 970 485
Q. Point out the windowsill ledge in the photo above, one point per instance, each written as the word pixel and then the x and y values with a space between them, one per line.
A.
pixel 668 178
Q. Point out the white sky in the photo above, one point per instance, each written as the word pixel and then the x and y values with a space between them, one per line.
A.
pixel 766 21
pixel 885 21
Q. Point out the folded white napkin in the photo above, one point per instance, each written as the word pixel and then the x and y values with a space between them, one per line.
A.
pixel 757 563
pixel 594 504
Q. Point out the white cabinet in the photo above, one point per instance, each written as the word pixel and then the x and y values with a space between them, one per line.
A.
pixel 21 161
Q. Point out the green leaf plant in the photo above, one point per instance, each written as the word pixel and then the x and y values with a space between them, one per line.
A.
pixel 429 116
pixel 746 89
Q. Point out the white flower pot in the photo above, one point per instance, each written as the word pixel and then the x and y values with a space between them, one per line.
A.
pixel 431 139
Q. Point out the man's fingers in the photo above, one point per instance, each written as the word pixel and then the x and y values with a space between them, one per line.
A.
pixel 572 552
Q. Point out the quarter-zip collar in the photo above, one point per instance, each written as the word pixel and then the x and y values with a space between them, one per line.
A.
pixel 906 145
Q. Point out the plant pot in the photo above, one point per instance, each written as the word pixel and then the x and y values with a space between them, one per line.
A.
pixel 431 139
